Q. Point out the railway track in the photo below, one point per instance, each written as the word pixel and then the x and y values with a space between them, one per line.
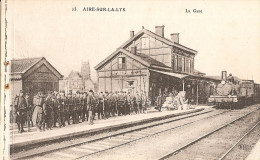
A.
pixel 85 149
pixel 205 141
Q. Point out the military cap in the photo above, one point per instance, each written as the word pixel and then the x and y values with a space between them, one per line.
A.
pixel 90 90
pixel 78 92
pixel 49 92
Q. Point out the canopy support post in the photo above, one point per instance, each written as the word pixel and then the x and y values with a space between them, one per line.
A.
pixel 197 93
pixel 183 85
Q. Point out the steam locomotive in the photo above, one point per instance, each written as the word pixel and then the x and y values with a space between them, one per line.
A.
pixel 234 93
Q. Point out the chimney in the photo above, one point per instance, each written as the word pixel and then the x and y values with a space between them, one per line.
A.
pixel 159 30
pixel 133 50
pixel 132 33
pixel 224 75
pixel 175 37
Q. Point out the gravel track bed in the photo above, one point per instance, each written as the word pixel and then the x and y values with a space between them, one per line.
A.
pixel 156 146
pixel 244 147
pixel 216 144
pixel 76 141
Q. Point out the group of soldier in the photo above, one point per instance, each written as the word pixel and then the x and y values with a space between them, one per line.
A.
pixel 46 111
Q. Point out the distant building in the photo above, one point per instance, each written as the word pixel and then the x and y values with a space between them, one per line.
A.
pixel 33 75
pixel 76 81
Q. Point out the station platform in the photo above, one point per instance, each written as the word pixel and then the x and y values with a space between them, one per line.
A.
pixel 34 137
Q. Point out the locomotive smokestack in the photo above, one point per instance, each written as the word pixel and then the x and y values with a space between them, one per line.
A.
pixel 224 75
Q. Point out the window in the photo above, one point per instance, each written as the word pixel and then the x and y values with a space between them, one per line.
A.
pixel 183 64
pixel 175 62
pixel 189 66
pixel 191 69
pixel 145 42
pixel 121 63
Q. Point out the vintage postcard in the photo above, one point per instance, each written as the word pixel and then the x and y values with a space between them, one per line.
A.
pixel 130 80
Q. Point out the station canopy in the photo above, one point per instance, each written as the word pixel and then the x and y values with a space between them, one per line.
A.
pixel 177 75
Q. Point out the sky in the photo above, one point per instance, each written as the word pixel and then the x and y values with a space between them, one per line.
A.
pixel 226 34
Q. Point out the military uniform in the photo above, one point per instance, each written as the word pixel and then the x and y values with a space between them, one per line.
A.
pixel 121 104
pixel 96 105
pixel 20 111
pixel 129 104
pixel 77 108
pixel 144 103
pixel 159 102
pixel 84 108
pixel 100 106
pixel 29 110
pixel 66 111
pixel 38 111
pixel 70 103
pixel 61 104
pixel 139 103
pixel 90 104
pixel 104 106
pixel 113 104
pixel 54 109
pixel 47 112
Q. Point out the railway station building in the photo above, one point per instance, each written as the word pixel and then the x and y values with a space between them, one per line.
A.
pixel 33 75
pixel 150 62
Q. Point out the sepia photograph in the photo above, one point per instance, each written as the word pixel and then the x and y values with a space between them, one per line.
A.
pixel 130 80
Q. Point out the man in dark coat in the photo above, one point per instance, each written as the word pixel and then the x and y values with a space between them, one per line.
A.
pixel 84 107
pixel 159 102
pixel 29 110
pixel 61 99
pixel 20 111
pixel 47 111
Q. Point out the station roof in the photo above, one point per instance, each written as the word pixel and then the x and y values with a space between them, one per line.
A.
pixel 162 39
pixel 140 57
pixel 20 67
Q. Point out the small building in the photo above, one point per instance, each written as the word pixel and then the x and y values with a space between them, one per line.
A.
pixel 33 75
pixel 76 81
pixel 150 62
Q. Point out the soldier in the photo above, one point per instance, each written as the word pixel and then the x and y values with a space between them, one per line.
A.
pixel 29 110
pixel 129 104
pixel 70 101
pixel 104 106
pixel 121 103
pixel 96 104
pixel 66 111
pixel 61 99
pixel 38 111
pixel 47 111
pixel 80 108
pixel 100 105
pixel 113 104
pixel 84 107
pixel 159 102
pixel 90 104
pixel 138 102
pixel 108 104
pixel 54 108
pixel 20 110
pixel 77 106
pixel 144 102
